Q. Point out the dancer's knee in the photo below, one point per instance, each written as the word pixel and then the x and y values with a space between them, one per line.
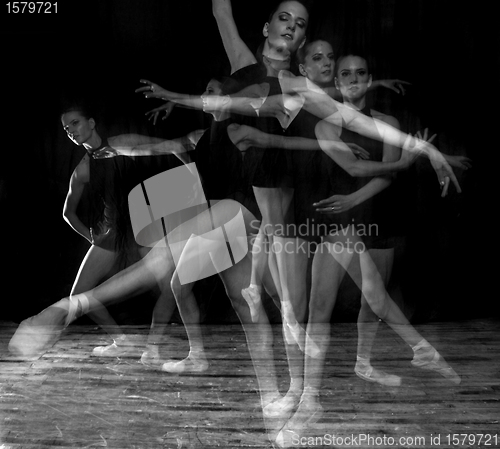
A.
pixel 376 298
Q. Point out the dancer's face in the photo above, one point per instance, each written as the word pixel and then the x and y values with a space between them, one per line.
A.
pixel 78 128
pixel 213 88
pixel 319 63
pixel 353 78
pixel 287 29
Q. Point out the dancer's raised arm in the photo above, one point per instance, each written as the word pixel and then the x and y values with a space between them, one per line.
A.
pixel 237 51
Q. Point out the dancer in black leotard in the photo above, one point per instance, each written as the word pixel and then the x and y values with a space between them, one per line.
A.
pixel 284 33
pixel 157 91
pixel 104 178
pixel 107 225
pixel 38 333
pixel 352 209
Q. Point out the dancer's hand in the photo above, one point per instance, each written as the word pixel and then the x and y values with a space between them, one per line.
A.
pixel 438 161
pixel 395 85
pixel 443 171
pixel 358 151
pixel 461 162
pixel 156 112
pixel 425 135
pixel 153 90
pixel 409 157
pixel 336 204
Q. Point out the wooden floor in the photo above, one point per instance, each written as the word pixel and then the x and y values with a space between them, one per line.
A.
pixel 67 398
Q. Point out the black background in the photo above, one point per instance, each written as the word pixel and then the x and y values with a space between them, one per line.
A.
pixel 100 50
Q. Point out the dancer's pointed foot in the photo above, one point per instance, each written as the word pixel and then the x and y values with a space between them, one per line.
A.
pixel 151 356
pixel 191 364
pixel 121 346
pixel 286 438
pixel 37 334
pixel 308 413
pixel 427 357
pixel 268 398
pixel 371 374
pixel 283 406
pixel 32 340
pixel 251 295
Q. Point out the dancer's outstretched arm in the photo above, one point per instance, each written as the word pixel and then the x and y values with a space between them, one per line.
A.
pixel 245 136
pixel 246 102
pixel 139 145
pixel 322 105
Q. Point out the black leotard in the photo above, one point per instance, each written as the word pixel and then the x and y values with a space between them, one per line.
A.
pixel 316 177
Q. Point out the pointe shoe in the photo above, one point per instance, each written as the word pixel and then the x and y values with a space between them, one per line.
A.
pixel 252 296
pixel 371 374
pixel 435 363
pixel 31 340
pixel 37 334
pixel 112 350
pixel 308 413
pixel 151 357
pixel 188 365
pixel 287 438
pixel 281 407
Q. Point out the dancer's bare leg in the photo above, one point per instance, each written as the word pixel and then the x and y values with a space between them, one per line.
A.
pixel 368 323
pixel 377 297
pixel 190 314
pixel 39 332
pixel 273 204
pixel 327 274
pixel 144 274
pixel 252 293
pixel 137 278
pixel 426 356
pixel 98 262
pixel 292 258
pixel 192 261
pixel 259 334
pixel 162 313
pixel 290 276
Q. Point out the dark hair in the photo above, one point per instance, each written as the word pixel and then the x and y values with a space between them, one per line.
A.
pixel 84 110
pixel 219 78
pixel 302 52
pixel 308 4
pixel 357 54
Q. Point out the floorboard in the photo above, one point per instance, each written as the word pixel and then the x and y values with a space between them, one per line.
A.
pixel 70 399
